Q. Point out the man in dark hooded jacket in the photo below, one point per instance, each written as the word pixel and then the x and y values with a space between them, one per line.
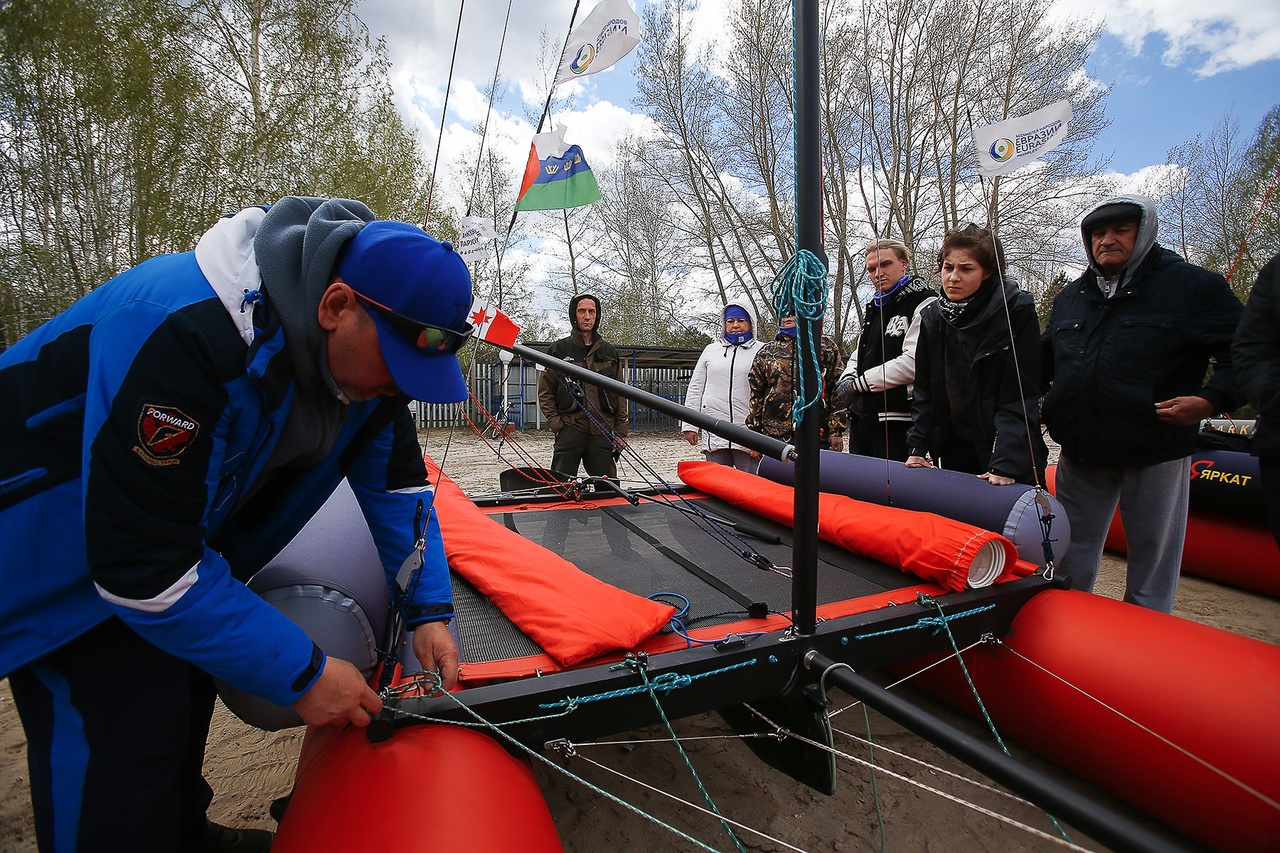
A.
pixel 165 437
pixel 1126 350
pixel 589 422
pixel 1256 352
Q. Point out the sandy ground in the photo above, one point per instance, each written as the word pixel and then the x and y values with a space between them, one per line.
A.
pixel 248 768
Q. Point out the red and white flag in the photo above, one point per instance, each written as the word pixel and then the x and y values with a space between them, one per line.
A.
pixel 492 325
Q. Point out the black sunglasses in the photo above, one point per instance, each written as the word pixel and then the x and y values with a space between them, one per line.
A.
pixel 424 336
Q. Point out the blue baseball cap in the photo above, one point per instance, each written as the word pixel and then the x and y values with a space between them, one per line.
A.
pixel 418 292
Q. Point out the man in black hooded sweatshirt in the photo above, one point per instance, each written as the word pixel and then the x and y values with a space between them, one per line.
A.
pixel 589 422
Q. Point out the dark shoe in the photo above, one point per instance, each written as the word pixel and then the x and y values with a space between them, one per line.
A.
pixel 224 839
pixel 278 805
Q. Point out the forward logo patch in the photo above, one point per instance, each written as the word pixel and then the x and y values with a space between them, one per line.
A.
pixel 164 432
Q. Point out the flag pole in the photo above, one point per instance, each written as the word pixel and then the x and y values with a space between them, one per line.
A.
pixel 546 111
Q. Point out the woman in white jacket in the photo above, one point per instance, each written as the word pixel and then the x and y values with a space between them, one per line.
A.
pixel 718 386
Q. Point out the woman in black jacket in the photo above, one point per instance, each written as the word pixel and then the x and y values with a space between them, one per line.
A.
pixel 977 369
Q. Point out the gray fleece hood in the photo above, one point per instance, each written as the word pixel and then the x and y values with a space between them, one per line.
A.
pixel 297 246
pixel 1148 230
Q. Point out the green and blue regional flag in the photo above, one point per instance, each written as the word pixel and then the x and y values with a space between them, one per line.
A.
pixel 557 175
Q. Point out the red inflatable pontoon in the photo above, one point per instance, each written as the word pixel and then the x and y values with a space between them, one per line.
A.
pixel 1106 690
pixel 428 788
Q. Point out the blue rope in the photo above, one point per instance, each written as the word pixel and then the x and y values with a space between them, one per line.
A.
pixel 515 744
pixel 666 682
pixel 642 668
pixel 930 601
pixel 937 623
pixel 800 291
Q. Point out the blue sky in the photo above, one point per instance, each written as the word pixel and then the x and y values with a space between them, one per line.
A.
pixel 1154 107
pixel 1175 67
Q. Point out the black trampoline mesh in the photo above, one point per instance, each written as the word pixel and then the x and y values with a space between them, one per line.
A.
pixel 650 549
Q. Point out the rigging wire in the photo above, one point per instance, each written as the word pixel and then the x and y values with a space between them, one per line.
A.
pixel 435 166
pixel 640 666
pixel 1043 506
pixel 681 801
pixel 546 111
pixel 488 115
pixel 513 742
pixel 743 549
pixel 915 783
pixel 664 492
pixel 1207 765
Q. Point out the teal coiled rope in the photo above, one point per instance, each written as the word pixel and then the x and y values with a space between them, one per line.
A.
pixel 800 291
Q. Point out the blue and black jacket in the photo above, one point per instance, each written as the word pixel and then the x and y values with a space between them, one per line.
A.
pixel 134 477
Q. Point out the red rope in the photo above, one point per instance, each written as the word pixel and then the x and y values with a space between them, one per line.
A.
pixel 533 469
pixel 1262 207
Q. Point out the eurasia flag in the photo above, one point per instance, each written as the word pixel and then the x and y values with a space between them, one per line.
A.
pixel 492 325
pixel 1009 145
pixel 609 33
pixel 557 175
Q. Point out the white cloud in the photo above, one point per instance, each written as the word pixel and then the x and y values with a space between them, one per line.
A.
pixel 1226 35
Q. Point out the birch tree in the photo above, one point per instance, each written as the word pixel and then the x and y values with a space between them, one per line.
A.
pixel 739 245
pixel 930 72
pixel 1219 202
pixel 98 126
pixel 301 89
pixel 637 264
pixel 903 84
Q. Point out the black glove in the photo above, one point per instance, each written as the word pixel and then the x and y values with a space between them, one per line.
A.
pixel 849 399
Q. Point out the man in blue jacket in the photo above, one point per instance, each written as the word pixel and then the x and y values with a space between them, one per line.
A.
pixel 162 439
pixel 1127 348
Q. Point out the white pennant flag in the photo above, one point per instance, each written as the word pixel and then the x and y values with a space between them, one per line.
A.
pixel 474 235
pixel 1011 144
pixel 609 33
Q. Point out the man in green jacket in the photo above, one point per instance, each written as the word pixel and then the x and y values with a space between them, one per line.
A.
pixel 590 423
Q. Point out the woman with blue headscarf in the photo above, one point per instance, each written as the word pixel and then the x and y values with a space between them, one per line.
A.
pixel 718 386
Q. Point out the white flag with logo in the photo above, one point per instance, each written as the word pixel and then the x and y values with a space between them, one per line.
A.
pixel 475 233
pixel 1011 144
pixel 609 33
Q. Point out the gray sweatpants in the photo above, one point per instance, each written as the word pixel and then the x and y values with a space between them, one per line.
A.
pixel 1153 505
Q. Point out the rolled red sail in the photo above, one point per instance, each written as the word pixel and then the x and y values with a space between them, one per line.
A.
pixel 949 553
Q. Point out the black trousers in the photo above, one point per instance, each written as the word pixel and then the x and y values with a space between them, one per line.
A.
pixel 879 439
pixel 116 731
pixel 594 452
pixel 1269 471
